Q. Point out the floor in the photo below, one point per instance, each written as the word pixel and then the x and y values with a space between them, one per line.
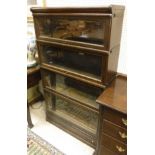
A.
pixel 55 136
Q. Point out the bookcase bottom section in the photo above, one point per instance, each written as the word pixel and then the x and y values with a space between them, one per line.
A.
pixel 71 128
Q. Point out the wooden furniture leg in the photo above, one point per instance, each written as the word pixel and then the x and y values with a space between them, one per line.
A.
pixel 33 78
pixel 29 117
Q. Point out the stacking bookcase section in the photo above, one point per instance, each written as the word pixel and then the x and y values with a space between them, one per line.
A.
pixel 82 29
pixel 90 27
pixel 86 65
pixel 78 91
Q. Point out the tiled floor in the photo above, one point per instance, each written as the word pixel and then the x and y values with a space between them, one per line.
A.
pixel 57 137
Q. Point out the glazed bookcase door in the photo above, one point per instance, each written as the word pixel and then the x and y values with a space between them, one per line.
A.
pixel 73 112
pixel 73 89
pixel 73 29
pixel 76 62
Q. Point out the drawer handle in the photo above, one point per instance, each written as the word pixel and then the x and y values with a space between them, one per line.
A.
pixel 123 135
pixel 120 149
pixel 124 121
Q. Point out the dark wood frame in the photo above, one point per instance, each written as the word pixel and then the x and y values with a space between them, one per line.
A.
pixel 33 78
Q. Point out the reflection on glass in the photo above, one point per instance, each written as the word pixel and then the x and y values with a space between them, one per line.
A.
pixel 82 30
pixel 84 116
pixel 73 60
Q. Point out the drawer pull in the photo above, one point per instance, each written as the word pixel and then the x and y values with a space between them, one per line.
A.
pixel 124 121
pixel 123 135
pixel 120 149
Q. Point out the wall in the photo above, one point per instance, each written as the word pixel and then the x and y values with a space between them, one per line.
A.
pixel 122 65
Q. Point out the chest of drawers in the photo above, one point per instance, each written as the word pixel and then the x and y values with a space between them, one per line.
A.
pixel 78 53
pixel 113 119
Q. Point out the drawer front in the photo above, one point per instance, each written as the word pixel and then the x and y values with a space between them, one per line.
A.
pixel 113 145
pixel 90 31
pixel 115 131
pixel 105 151
pixel 115 117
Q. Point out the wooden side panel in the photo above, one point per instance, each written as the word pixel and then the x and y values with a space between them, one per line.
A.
pixel 112 64
pixel 99 131
pixel 116 28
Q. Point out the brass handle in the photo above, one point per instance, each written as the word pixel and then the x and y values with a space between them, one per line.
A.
pixel 120 149
pixel 124 121
pixel 123 135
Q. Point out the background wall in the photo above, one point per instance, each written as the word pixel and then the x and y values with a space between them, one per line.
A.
pixel 122 65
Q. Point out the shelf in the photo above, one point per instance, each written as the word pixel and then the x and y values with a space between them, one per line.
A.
pixel 75 71
pixel 74 75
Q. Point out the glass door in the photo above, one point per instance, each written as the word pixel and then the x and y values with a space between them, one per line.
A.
pixel 74 113
pixel 83 29
pixel 74 61
pixel 73 89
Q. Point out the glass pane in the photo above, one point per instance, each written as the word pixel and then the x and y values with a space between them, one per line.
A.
pixel 74 89
pixel 80 29
pixel 73 60
pixel 74 113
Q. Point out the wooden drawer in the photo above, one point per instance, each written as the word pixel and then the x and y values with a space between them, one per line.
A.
pixel 115 117
pixel 115 131
pixel 113 145
pixel 105 151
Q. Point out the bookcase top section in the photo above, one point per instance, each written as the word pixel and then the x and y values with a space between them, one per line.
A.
pixel 101 9
pixel 115 96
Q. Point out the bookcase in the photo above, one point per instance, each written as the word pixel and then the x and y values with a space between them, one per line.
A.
pixel 78 53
